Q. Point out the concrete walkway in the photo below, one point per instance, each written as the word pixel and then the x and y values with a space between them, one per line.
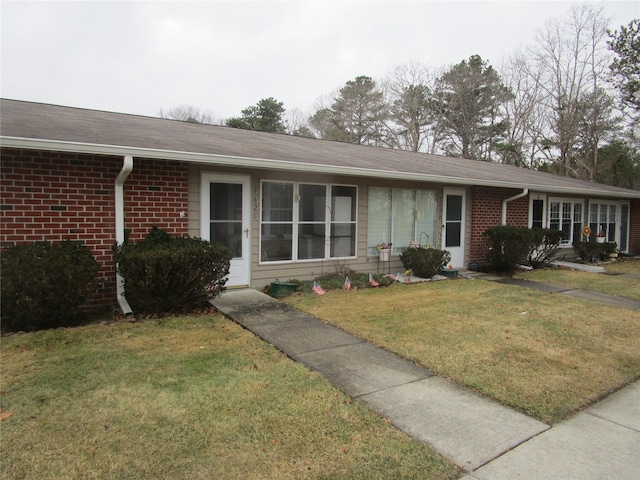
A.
pixel 613 300
pixel 486 439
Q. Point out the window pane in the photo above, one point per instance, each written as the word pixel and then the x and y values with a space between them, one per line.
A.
pixel 603 213
pixel 453 234
pixel 275 242
pixel 312 214
pixel 343 203
pixel 311 241
pixel 343 240
pixel 537 212
pixel 343 226
pixel 228 234
pixel 577 212
pixel 277 202
pixel 378 218
pixel 225 216
pixel 404 215
pixel 313 203
pixel 624 227
pixel 454 208
pixel 226 201
pixel 426 217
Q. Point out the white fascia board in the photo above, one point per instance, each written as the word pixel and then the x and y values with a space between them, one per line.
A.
pixel 269 164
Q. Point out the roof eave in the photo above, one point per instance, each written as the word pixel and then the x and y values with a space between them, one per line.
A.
pixel 262 163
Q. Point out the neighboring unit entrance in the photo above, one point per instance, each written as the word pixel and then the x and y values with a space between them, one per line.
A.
pixel 225 218
pixel 453 226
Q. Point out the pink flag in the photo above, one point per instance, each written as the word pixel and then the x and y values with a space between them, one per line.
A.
pixel 317 288
pixel 347 284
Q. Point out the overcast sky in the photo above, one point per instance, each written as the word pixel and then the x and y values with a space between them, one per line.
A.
pixel 139 57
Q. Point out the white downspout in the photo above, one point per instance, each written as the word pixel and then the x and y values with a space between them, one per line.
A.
pixel 127 167
pixel 524 193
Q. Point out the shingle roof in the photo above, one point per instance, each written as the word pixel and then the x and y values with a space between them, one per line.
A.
pixel 36 125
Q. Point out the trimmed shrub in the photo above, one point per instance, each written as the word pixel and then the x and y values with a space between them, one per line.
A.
pixel 163 273
pixel 589 251
pixel 45 284
pixel 425 262
pixel 510 246
pixel 543 245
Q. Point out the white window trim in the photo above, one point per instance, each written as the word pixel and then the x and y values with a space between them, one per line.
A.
pixel 296 223
pixel 618 204
pixel 371 251
pixel 573 201
pixel 543 197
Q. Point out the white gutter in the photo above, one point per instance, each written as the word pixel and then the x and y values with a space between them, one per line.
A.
pixel 127 167
pixel 524 193
pixel 302 167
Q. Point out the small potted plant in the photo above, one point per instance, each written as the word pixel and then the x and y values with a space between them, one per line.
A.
pixel 384 249
pixel 601 236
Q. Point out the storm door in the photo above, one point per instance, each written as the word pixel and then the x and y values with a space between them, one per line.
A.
pixel 225 205
pixel 453 226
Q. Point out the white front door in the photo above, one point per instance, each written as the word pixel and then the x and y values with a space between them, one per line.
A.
pixel 225 218
pixel 453 208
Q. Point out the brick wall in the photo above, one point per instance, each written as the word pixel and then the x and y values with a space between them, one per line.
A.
pixel 56 196
pixel 487 212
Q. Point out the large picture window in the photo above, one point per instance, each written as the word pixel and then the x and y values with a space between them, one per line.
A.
pixel 566 215
pixel 304 221
pixel 401 216
pixel 610 219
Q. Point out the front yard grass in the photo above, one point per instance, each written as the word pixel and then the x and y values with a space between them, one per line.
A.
pixel 191 397
pixel 609 284
pixel 547 355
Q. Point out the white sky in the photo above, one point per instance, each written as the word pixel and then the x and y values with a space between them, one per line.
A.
pixel 139 57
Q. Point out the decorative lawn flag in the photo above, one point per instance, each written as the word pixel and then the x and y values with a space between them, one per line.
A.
pixel 372 281
pixel 317 288
pixel 347 284
pixel 408 274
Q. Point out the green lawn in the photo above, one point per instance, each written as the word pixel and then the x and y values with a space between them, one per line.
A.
pixel 186 398
pixel 547 355
pixel 609 284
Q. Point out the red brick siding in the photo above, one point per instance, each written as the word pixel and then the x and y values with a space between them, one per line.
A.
pixel 486 212
pixel 56 196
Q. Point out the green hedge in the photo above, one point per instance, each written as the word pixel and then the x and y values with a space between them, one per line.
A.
pixel 510 246
pixel 45 284
pixel 425 262
pixel 589 251
pixel 163 273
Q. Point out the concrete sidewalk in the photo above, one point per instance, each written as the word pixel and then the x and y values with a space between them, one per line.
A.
pixel 612 300
pixel 473 432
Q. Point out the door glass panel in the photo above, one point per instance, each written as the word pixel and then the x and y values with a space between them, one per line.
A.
pixel 452 236
pixel 454 208
pixel 226 216
pixel 624 227
pixel 453 227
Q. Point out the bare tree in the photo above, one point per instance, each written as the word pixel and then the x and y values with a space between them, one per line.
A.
pixel 569 58
pixel 523 112
pixel 413 124
pixel 297 123
pixel 189 113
